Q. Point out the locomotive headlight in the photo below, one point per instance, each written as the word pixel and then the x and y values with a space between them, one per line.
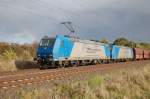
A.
pixel 50 55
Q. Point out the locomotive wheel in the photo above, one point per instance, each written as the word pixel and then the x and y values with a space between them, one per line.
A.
pixel 95 62
pixel 43 66
pixel 76 64
pixel 40 67
pixel 99 61
pixel 62 64
pixel 83 63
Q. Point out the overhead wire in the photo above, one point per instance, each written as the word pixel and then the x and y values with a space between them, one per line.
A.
pixel 27 10
pixel 41 3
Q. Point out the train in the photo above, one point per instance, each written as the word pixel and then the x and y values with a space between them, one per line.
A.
pixel 64 51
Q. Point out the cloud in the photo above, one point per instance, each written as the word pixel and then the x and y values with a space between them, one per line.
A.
pixel 32 19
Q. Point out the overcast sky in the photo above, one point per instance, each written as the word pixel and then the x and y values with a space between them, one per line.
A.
pixel 24 21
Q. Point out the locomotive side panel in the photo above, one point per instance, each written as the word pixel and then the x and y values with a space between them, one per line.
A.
pixel 84 51
pixel 62 48
pixel 119 52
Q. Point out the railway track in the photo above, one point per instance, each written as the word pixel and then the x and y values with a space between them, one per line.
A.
pixel 37 77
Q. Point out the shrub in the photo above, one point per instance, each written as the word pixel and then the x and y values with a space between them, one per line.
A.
pixel 9 54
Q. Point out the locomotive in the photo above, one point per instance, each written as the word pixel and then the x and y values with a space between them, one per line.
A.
pixel 63 51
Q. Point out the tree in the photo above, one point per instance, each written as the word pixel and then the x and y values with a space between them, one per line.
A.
pixel 144 45
pixel 131 44
pixel 121 41
pixel 104 40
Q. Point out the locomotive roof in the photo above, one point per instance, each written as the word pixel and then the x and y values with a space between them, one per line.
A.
pixel 46 37
pixel 76 39
pixel 122 46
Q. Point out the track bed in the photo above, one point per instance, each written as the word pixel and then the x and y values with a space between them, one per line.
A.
pixel 34 76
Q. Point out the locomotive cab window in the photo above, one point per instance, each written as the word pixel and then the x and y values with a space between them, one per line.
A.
pixel 47 42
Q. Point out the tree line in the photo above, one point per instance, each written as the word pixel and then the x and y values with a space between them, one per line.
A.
pixel 17 51
pixel 125 42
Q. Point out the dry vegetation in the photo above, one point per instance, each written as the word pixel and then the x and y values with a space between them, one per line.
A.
pixel 15 56
pixel 129 83
pixel 7 65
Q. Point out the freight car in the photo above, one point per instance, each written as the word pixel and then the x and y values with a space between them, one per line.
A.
pixel 138 53
pixel 146 54
pixel 149 54
pixel 65 51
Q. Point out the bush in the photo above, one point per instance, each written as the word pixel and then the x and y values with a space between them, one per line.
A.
pixel 121 41
pixel 22 51
pixel 9 54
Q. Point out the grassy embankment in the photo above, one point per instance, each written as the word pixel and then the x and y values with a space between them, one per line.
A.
pixel 9 61
pixel 129 83
pixel 14 56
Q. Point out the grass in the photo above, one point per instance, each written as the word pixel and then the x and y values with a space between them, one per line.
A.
pixel 129 83
pixel 96 81
pixel 6 65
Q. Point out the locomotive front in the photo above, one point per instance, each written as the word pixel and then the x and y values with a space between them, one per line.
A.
pixel 45 51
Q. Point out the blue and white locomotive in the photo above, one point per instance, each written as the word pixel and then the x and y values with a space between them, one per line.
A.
pixel 62 51
pixel 70 51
